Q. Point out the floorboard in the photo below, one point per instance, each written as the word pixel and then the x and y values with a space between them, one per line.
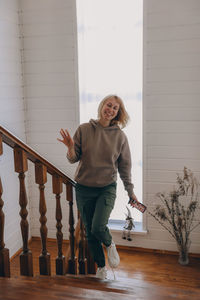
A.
pixel 140 275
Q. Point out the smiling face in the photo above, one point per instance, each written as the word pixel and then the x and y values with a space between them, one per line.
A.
pixel 109 110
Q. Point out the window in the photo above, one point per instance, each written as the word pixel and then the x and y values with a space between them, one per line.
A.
pixel 110 34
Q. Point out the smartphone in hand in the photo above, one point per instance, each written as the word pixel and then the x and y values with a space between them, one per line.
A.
pixel 141 207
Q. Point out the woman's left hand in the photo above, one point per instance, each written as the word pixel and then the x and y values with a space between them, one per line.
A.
pixel 133 196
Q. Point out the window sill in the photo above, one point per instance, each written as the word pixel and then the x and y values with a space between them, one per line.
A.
pixel 118 226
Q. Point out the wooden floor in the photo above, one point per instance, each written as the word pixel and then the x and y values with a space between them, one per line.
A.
pixel 140 275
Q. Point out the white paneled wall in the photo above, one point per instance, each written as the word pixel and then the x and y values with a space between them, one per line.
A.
pixel 11 116
pixel 51 91
pixel 171 104
pixel 50 74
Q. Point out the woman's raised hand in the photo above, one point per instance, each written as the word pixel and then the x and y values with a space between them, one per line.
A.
pixel 67 140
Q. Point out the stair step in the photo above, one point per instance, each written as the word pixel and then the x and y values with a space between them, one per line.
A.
pixel 86 287
pixel 59 288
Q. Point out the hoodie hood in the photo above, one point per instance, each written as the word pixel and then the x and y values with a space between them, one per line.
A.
pixel 96 124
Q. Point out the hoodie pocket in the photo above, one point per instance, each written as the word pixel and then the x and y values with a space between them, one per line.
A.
pixel 110 201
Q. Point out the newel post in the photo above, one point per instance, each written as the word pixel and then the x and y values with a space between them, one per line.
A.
pixel 21 166
pixel 4 252
pixel 44 258
pixel 57 189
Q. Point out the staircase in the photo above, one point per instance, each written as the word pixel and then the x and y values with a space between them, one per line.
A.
pixel 68 264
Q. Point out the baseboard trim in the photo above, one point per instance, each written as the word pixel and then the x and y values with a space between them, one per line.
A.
pixel 158 251
pixel 122 247
pixel 19 251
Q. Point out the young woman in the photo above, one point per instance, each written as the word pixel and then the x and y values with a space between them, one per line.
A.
pixel 102 149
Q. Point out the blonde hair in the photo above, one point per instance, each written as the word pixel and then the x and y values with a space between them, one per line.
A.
pixel 122 117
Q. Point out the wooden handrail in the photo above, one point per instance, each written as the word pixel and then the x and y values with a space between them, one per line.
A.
pixel 12 141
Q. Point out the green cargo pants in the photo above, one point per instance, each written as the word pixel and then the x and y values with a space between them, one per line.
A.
pixel 95 205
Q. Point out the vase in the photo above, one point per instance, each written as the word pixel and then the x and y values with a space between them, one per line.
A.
pixel 183 257
pixel 183 254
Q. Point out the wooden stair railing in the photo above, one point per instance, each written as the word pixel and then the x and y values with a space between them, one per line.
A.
pixel 68 264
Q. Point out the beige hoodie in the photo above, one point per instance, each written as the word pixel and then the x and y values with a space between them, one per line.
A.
pixel 101 151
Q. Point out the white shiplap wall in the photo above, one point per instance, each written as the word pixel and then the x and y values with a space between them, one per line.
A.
pixel 51 91
pixel 171 105
pixel 11 116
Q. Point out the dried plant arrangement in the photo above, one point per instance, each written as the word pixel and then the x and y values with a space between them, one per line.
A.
pixel 177 211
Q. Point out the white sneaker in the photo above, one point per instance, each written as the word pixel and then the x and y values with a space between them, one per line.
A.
pixel 113 256
pixel 101 273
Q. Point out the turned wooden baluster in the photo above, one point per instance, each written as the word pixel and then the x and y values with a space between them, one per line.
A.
pixel 72 262
pixel 41 179
pixel 21 166
pixel 82 247
pixel 4 252
pixel 60 260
